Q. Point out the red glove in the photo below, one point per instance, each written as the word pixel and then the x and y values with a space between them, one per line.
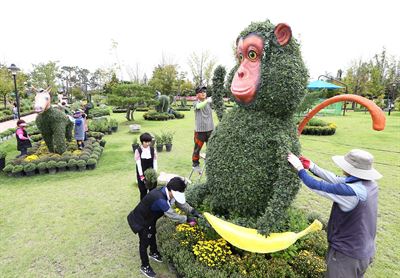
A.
pixel 142 178
pixel 191 221
pixel 305 161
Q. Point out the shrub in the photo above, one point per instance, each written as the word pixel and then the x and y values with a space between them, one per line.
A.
pixel 17 169
pixel 308 264
pixel 51 164
pixel 151 178
pixel 91 161
pixel 8 168
pixel 319 127
pixel 72 163
pixel 167 136
pixel 29 167
pixel 84 157
pixel 61 164
pixel 81 163
pixel 3 154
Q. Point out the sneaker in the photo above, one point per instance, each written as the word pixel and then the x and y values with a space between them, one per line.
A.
pixel 147 271
pixel 156 256
pixel 197 169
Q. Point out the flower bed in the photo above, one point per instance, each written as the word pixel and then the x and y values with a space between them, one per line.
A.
pixel 199 252
pixel 157 116
pixel 41 161
pixel 319 127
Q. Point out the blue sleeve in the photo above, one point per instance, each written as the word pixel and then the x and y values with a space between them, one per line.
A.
pixel 334 188
pixel 160 205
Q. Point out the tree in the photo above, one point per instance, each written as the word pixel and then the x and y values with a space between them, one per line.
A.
pixel 6 84
pixel 218 91
pixel 129 96
pixel 202 67
pixel 45 75
pixel 165 79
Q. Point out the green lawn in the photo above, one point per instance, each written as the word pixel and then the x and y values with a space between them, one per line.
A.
pixel 74 224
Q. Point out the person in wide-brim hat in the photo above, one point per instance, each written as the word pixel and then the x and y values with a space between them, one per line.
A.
pixel 352 223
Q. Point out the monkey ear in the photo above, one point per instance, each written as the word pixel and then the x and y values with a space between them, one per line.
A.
pixel 48 89
pixel 283 34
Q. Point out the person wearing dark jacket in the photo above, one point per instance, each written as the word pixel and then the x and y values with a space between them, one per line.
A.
pixel 152 207
pixel 352 223
pixel 23 139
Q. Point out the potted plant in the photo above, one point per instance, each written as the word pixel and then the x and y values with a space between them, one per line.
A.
pixel 151 178
pixel 29 169
pixel 167 138
pixel 61 166
pixel 42 167
pixel 103 142
pixel 135 144
pixel 81 165
pixel 114 125
pixel 17 170
pixel 159 142
pixel 72 164
pixel 52 167
pixel 3 155
pixel 8 169
pixel 91 164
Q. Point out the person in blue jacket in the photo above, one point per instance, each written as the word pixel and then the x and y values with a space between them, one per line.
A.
pixel 79 129
pixel 352 223
pixel 152 207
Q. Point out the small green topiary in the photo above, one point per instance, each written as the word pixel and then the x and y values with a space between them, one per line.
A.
pixel 17 169
pixel 29 167
pixel 91 161
pixel 61 164
pixel 51 164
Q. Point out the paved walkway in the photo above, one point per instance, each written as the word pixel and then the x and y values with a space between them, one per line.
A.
pixel 13 123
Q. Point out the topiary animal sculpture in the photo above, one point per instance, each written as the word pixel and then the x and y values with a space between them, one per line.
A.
pixel 163 104
pixel 248 178
pixel 52 123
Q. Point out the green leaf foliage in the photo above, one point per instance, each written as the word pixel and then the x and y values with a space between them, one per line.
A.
pixel 218 91
pixel 248 176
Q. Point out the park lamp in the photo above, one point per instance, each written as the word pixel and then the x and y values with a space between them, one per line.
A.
pixel 14 69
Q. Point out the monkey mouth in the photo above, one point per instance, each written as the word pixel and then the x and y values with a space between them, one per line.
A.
pixel 38 110
pixel 244 95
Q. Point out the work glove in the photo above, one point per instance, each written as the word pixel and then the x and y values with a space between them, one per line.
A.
pixel 195 213
pixel 307 164
pixel 295 162
pixel 209 99
pixel 191 221
pixel 142 178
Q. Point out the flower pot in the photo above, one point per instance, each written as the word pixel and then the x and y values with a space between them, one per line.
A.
pixel 159 148
pixel 102 143
pixel 91 167
pixel 114 128
pixel 81 168
pixel 42 171
pixel 30 173
pixel 18 174
pixel 52 171
pixel 72 168
pixel 61 169
pixel 134 147
pixel 168 147
pixel 2 163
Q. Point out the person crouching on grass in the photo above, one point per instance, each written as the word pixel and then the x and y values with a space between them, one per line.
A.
pixel 352 223
pixel 152 207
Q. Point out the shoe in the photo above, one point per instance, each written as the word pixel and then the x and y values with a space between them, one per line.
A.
pixel 156 256
pixel 147 271
pixel 197 169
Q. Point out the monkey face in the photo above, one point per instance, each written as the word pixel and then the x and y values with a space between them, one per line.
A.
pixel 247 78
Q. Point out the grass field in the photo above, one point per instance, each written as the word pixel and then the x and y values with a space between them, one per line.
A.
pixel 74 224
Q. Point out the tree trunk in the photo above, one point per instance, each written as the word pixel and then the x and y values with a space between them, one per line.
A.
pixel 5 101
pixel 128 113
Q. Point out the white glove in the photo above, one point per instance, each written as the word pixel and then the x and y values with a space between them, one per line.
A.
pixel 295 161
pixel 209 99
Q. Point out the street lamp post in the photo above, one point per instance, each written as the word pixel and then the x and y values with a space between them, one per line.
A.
pixel 13 69
pixel 391 99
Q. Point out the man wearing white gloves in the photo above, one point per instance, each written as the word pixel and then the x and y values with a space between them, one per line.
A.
pixel 204 124
pixel 352 222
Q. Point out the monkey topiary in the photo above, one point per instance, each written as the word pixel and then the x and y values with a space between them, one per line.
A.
pixel 163 104
pixel 53 124
pixel 248 178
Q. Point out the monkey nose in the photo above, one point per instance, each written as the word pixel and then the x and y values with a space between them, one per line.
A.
pixel 240 74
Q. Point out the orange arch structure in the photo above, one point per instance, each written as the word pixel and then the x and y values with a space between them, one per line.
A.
pixel 378 117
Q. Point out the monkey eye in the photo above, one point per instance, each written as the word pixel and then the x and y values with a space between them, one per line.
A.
pixel 240 57
pixel 252 55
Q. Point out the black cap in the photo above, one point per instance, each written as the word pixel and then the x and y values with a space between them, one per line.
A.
pixel 200 88
pixel 176 184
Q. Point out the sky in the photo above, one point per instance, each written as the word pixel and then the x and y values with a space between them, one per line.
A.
pixel 81 33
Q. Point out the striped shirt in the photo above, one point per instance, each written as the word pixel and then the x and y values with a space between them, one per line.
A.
pixel 203 118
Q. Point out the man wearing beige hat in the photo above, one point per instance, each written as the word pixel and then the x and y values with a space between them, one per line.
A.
pixel 352 222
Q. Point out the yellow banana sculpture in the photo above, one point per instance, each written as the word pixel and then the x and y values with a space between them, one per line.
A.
pixel 250 240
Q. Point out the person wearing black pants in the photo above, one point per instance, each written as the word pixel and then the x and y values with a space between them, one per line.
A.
pixel 142 220
pixel 145 157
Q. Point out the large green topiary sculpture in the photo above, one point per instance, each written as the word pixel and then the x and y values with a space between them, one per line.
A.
pixel 163 104
pixel 248 178
pixel 53 124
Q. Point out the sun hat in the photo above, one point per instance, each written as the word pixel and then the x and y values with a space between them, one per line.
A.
pixel 77 114
pixel 177 187
pixel 200 88
pixel 358 163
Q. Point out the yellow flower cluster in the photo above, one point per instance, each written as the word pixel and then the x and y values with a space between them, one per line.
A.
pixel 307 261
pixel 213 253
pixel 77 152
pixel 332 125
pixel 189 234
pixel 31 157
